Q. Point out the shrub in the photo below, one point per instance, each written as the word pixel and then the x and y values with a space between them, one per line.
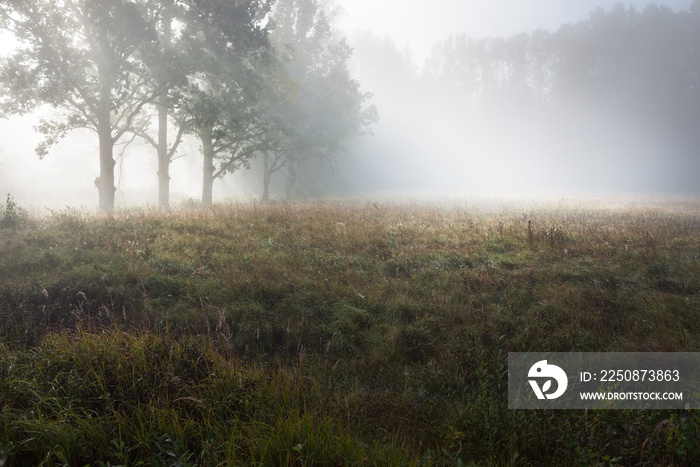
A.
pixel 11 214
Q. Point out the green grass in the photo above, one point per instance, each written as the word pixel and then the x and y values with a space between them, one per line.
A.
pixel 336 333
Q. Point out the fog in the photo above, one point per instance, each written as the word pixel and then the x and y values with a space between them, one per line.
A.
pixel 434 139
pixel 419 25
pixel 449 124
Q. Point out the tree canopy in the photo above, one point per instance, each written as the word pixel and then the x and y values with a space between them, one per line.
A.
pixel 200 67
pixel 84 57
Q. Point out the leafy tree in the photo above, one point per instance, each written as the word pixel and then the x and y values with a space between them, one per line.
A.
pixel 168 70
pixel 227 43
pixel 313 104
pixel 223 120
pixel 84 57
pixel 209 52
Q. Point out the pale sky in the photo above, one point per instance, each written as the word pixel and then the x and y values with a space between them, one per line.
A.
pixel 421 23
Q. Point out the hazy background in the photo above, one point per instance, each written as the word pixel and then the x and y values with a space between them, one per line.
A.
pixel 430 139
pixel 419 25
pixel 431 143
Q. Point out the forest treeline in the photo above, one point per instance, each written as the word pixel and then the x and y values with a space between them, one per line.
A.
pixel 624 61
pixel 622 85
pixel 252 78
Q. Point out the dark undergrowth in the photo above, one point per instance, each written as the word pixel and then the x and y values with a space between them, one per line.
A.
pixel 336 333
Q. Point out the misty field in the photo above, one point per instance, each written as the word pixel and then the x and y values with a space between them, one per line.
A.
pixel 335 333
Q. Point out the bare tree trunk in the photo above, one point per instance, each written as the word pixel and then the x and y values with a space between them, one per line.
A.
pixel 266 176
pixel 163 159
pixel 205 134
pixel 105 182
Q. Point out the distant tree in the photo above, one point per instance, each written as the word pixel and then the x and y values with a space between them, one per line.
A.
pixel 622 82
pixel 272 141
pixel 313 104
pixel 84 57
pixel 483 72
pixel 379 61
pixel 628 63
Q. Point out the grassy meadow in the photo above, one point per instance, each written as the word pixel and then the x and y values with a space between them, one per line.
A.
pixel 335 333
